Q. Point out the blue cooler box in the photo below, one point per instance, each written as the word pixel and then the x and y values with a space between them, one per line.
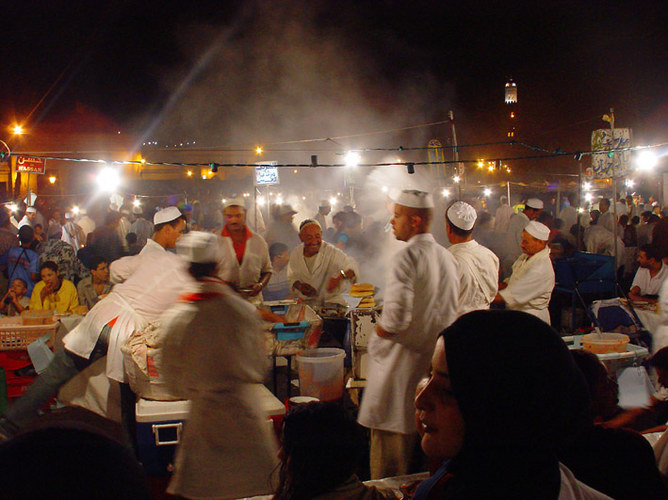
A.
pixel 159 427
pixel 160 424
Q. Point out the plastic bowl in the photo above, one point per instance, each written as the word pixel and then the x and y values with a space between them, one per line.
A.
pixel 603 343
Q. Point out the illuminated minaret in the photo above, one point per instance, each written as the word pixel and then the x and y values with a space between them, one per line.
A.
pixel 511 109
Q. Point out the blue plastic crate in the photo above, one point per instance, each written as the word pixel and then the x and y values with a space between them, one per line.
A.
pixel 279 308
pixel 291 331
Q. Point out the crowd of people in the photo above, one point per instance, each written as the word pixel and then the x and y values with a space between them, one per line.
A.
pixel 505 410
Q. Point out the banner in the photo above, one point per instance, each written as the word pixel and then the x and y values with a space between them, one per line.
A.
pixel 29 165
pixel 614 164
pixel 266 173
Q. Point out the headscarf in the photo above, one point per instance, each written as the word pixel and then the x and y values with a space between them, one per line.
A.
pixel 522 398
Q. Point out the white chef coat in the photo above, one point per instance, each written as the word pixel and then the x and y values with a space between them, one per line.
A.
pixel 421 299
pixel 143 229
pixel 322 220
pixel 607 220
pixel 530 285
pixel 328 263
pixel 598 240
pixel 159 278
pixel 213 354
pixel 511 249
pixel 255 262
pixel 73 235
pixel 570 217
pixel 479 270
pixel 660 336
pixel 647 284
pixel 24 222
pixel 502 218
pixel 123 229
pixel 87 224
pixel 121 269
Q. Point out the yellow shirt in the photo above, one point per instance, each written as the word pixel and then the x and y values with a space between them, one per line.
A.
pixel 63 301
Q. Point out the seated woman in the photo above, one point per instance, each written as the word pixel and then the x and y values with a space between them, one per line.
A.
pixel 319 455
pixel 53 293
pixel 503 397
pixel 15 300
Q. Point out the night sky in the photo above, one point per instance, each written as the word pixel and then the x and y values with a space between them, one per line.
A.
pixel 245 72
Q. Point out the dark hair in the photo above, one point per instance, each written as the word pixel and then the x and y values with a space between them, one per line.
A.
pixel 72 463
pixel 198 270
pixel 158 227
pixel 131 238
pixel 26 234
pixel 463 233
pixel 635 220
pixel 650 251
pixel 322 446
pixel 624 220
pixel 111 218
pixel 352 220
pixel 21 280
pixel 660 359
pixel 653 219
pixel 591 368
pixel 49 264
pixel 95 261
pixel 646 213
pixel 340 216
pixel 277 249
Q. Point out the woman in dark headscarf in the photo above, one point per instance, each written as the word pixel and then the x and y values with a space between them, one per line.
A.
pixel 503 397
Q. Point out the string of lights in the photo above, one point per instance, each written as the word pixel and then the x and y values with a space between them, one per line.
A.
pixel 214 166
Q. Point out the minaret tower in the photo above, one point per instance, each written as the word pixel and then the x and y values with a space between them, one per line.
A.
pixel 511 109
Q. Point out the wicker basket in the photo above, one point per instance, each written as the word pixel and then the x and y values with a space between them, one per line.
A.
pixel 15 336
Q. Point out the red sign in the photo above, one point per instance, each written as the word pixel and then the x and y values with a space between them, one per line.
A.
pixel 30 165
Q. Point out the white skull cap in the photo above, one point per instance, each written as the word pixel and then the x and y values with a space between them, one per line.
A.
pixel 199 247
pixel 166 215
pixel 538 230
pixel 235 202
pixel 534 203
pixel 414 199
pixel 462 215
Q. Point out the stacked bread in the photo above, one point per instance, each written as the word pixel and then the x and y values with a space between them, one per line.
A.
pixel 366 291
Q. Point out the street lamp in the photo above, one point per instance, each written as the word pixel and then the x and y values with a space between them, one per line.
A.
pixel 17 130
pixel 646 160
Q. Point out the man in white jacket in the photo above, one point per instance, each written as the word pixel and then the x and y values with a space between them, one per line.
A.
pixel 530 286
pixel 317 270
pixel 244 257
pixel 479 267
pixel 421 299
pixel 214 356
pixel 148 284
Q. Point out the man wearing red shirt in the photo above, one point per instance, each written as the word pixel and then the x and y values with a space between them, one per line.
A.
pixel 245 263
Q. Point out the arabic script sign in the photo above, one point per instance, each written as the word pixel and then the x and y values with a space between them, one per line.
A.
pixel 614 164
pixel 30 165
